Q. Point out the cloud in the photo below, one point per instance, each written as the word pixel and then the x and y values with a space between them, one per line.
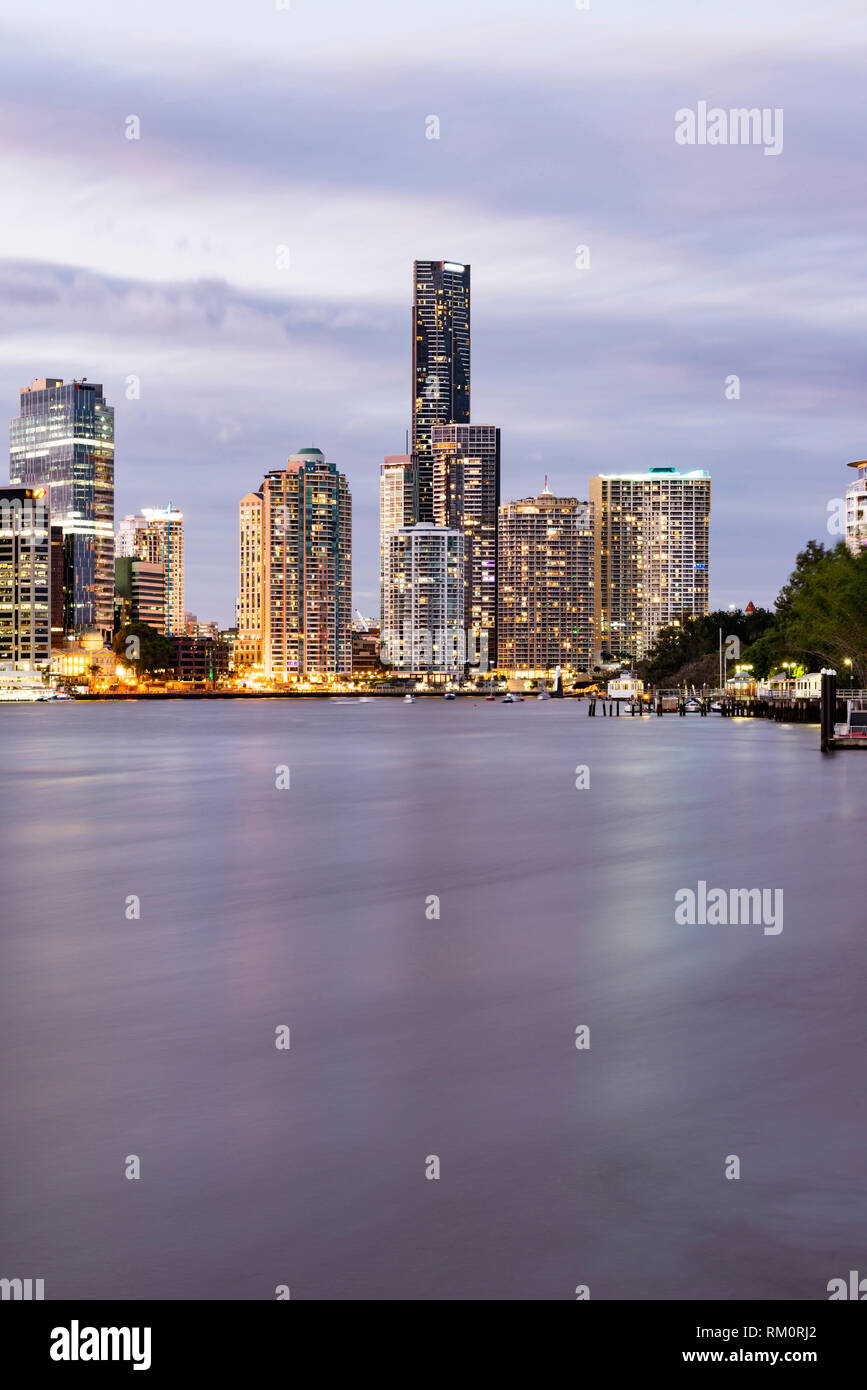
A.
pixel 159 257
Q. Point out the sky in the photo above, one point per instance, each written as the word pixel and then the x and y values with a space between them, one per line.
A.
pixel 248 259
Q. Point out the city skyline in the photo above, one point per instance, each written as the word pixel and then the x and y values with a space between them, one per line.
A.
pixel 703 262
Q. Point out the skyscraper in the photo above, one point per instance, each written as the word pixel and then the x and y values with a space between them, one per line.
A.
pixel 156 534
pixel 248 643
pixel 466 495
pixel 440 361
pixel 546 593
pixel 652 554
pixel 423 600
pixel 307 568
pixel 398 501
pixel 63 440
pixel 140 592
pixel 25 580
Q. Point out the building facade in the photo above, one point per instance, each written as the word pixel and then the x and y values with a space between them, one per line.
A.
pixel 200 658
pixel 156 534
pixel 63 440
pixel 423 618
pixel 306 569
pixel 652 533
pixel 25 580
pixel 140 593
pixel 61 585
pixel 440 361
pixel 365 652
pixel 466 496
pixel 546 585
pixel 398 505
pixel 856 509
pixel 248 610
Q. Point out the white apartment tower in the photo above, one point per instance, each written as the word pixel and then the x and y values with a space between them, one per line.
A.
pixel 423 600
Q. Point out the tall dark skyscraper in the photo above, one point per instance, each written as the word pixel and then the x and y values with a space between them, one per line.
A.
pixel 63 440
pixel 440 361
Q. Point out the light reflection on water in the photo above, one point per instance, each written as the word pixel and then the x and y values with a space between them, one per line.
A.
pixel 413 1037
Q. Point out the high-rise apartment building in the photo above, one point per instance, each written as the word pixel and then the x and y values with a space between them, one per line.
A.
pixel 307 569
pixel 156 534
pixel 423 600
pixel 398 503
pixel 440 361
pixel 25 579
pixel 249 616
pixel 466 495
pixel 856 509
pixel 546 589
pixel 652 554
pixel 63 440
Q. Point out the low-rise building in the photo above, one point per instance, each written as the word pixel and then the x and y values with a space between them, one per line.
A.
pixel 200 658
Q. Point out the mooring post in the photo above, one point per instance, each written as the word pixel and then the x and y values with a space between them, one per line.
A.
pixel 828 709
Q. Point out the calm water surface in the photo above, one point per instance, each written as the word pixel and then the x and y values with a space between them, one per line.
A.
pixel 413 1037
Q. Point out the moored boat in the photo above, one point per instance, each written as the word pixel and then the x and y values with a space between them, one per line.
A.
pixel 30 694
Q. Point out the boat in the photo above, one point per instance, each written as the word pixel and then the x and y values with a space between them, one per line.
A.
pixel 30 694
pixel 409 699
pixel 490 697
pixel 509 699
pixel 449 695
pixel 853 733
pixel 692 705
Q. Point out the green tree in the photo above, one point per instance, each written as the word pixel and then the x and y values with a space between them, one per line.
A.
pixel 824 610
pixel 153 653
pixel 693 644
pixel 806 563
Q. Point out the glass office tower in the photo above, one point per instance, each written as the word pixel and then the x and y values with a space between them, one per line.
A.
pixel 63 440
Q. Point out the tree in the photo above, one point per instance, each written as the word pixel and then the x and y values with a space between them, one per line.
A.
pixel 693 644
pixel 152 653
pixel 824 609
pixel 806 563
